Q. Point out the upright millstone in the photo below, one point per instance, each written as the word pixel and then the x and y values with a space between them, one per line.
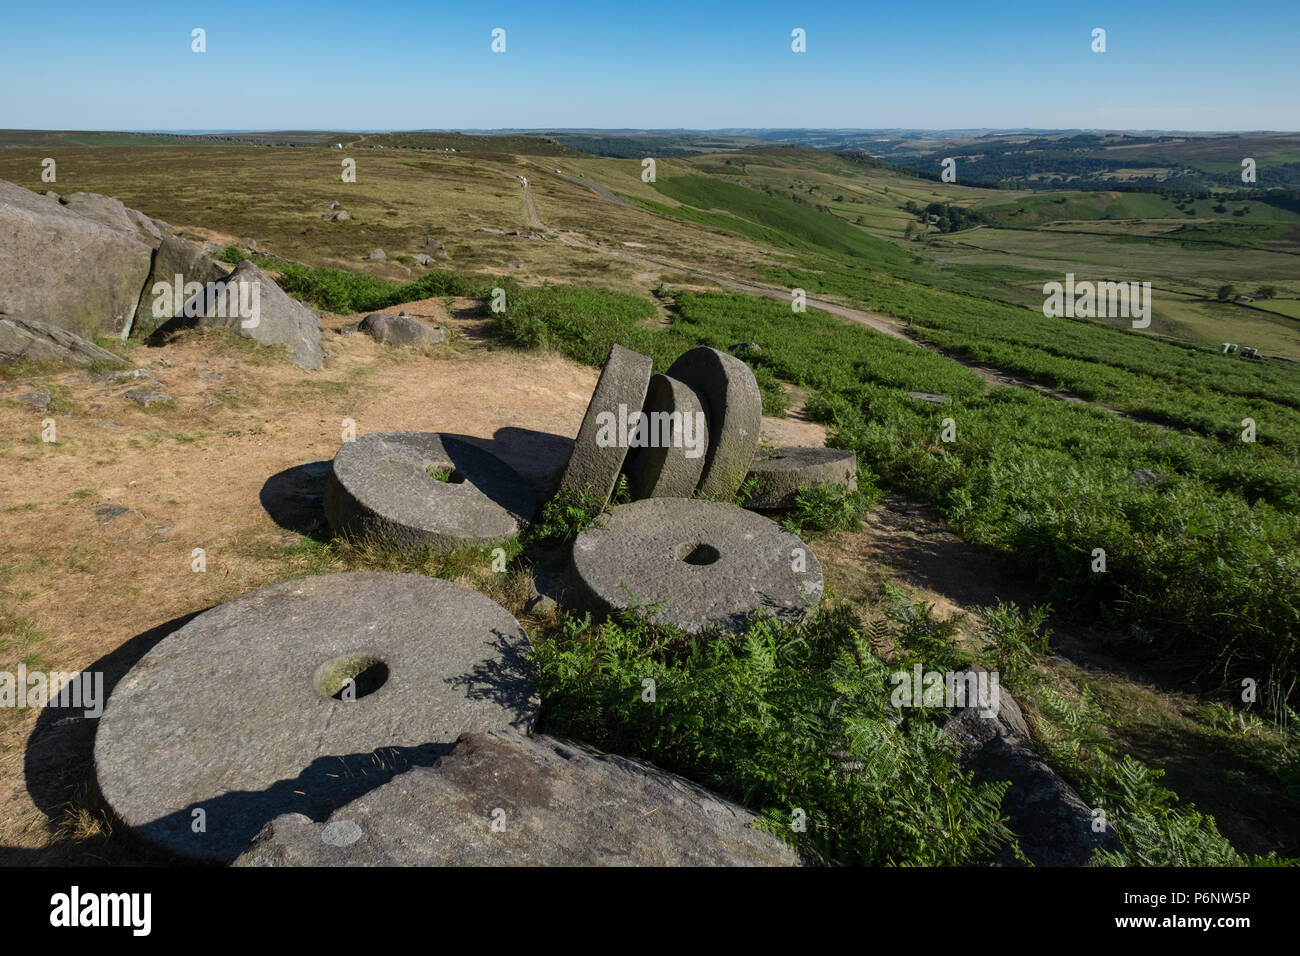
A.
pixel 600 448
pixel 670 466
pixel 416 490
pixel 301 697
pixel 694 565
pixel 780 473
pixel 735 409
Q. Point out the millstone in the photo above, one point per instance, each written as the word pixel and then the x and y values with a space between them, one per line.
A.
pixel 559 803
pixel 781 473
pixel 671 467
pixel 386 487
pixel 232 714
pixel 735 409
pixel 596 460
pixel 694 565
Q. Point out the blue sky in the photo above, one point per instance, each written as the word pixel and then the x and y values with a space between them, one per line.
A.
pixel 657 64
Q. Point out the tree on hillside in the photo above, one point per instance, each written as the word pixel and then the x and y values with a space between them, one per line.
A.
pixel 1265 292
pixel 910 232
pixel 1226 292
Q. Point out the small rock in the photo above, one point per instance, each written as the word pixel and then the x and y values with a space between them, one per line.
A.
pixel 210 377
pixel 37 400
pixel 932 398
pixel 332 204
pixel 146 397
pixel 377 255
pixel 108 512
pixel 423 259
pixel 340 216
pixel 489 229
pixel 1145 477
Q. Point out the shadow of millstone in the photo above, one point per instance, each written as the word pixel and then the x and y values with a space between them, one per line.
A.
pixel 538 457
pixel 292 498
pixel 59 764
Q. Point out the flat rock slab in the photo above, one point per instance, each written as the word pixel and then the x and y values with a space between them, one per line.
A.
pixel 31 340
pixel 735 409
pixel 677 423
pixel 599 449
pixel 147 397
pixel 383 488
pixel 693 565
pixel 780 473
pixel 558 803
pixel 931 398
pixel 232 714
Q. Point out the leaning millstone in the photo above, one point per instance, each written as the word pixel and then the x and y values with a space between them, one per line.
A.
pixel 300 698
pixel 599 449
pixel 779 474
pixel 401 330
pixel 1052 823
pixel 670 466
pixel 693 565
pixel 562 803
pixel 735 408
pixel 421 490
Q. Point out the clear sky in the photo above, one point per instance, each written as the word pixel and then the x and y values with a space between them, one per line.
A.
pixel 328 65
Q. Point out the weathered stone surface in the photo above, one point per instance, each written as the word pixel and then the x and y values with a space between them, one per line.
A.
pixel 134 374
pixel 931 398
pixel 114 214
pixel 32 341
pixel 735 408
pixel 37 400
pixel 66 270
pixel 382 488
pixel 281 320
pixel 401 330
pixel 377 255
pixel 598 453
pixel 423 259
pixel 175 257
pixel 341 216
pixel 671 467
pixel 1051 821
pixel 694 565
pixel 564 804
pixel 233 714
pixel 779 474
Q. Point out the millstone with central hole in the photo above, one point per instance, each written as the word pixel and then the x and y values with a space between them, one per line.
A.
pixel 300 698
pixel 694 565
pixel 416 490
pixel 779 474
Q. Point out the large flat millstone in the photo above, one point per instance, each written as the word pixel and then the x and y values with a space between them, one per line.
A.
pixel 385 487
pixel 678 433
pixel 694 565
pixel 232 715
pixel 502 799
pixel 735 410
pixel 599 449
pixel 779 474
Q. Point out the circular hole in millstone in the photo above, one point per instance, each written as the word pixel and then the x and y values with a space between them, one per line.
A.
pixel 693 553
pixel 351 676
pixel 444 473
